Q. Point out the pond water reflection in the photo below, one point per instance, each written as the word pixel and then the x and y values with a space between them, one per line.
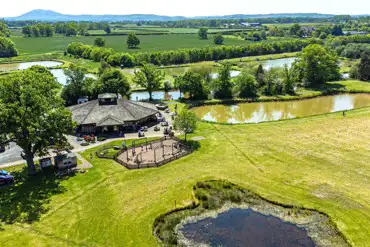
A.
pixel 26 65
pixel 62 78
pixel 157 95
pixel 277 63
pixel 272 111
pixel 244 228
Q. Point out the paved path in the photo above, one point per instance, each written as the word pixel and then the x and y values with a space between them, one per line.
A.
pixel 85 164
pixel 11 157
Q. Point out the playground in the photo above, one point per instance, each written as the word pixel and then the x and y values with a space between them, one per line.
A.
pixel 144 154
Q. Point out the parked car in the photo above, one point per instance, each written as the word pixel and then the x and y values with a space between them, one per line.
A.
pixel 167 110
pixel 141 134
pixel 3 173
pixel 6 179
pixel 157 128
pixel 164 124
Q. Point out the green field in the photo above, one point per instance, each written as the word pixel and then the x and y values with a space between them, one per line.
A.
pixel 288 25
pixel 319 162
pixel 139 30
pixel 29 46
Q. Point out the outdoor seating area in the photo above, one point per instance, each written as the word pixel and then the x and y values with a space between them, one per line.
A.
pixel 146 154
pixel 153 154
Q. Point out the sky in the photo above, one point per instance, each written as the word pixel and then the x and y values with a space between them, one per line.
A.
pixel 186 8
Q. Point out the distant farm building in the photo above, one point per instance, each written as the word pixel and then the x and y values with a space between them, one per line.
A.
pixel 251 24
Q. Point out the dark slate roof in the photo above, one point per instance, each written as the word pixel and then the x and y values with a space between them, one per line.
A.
pixel 105 115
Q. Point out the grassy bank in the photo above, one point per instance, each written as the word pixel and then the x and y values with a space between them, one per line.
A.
pixel 318 163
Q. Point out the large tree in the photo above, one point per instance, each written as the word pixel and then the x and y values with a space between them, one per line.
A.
pixel 246 85
pixel 203 33
pixel 194 84
pixel 113 81
pixel 100 42
pixel 218 39
pixel 317 65
pixel 185 122
pixel 107 29
pixel 76 86
pixel 32 113
pixel 4 30
pixel 223 85
pixel 132 41
pixel 293 30
pixel 149 77
pixel 288 76
pixel 7 48
pixel 363 68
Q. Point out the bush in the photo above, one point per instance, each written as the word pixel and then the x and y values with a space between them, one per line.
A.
pixel 7 48
pixel 201 195
pixel 102 138
pixel 100 42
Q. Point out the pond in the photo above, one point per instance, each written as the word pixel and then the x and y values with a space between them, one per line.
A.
pixel 26 65
pixel 178 71
pixel 157 95
pixel 245 227
pixel 277 63
pixel 62 78
pixel 272 111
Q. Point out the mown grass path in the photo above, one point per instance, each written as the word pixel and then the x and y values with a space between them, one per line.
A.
pixel 320 162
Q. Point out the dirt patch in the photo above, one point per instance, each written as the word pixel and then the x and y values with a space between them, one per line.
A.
pixel 198 138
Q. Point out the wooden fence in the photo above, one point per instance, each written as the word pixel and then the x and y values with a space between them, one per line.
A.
pixel 188 150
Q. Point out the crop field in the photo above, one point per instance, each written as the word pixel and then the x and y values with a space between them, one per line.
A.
pixel 288 25
pixel 139 30
pixel 29 46
pixel 320 162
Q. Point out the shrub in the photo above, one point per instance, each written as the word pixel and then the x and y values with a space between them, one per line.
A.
pixel 7 48
pixel 201 195
pixel 102 138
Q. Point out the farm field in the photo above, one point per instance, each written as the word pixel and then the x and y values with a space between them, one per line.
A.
pixel 29 46
pixel 288 25
pixel 309 162
pixel 139 30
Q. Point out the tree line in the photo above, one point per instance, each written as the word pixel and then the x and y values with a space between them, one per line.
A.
pixel 183 56
pixel 38 30
pixel 313 67
pixel 43 29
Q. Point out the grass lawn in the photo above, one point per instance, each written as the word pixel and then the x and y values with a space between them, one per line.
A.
pixel 29 46
pixel 320 162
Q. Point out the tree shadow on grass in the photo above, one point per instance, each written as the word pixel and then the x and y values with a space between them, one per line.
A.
pixel 27 199
pixel 194 145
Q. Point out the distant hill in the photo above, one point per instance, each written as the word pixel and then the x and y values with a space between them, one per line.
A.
pixel 48 15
